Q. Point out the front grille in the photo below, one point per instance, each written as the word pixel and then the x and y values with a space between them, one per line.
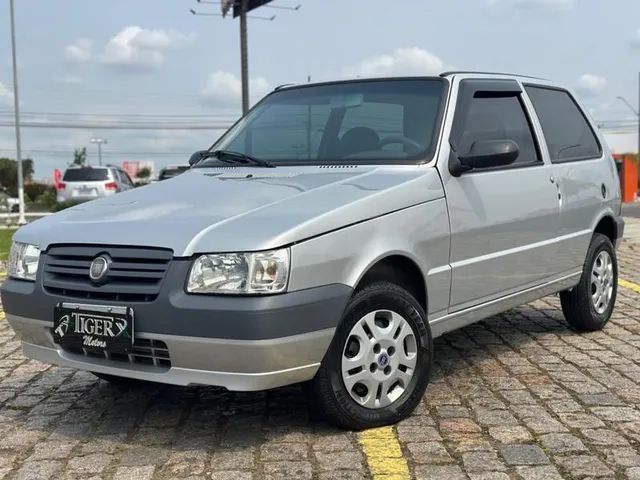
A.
pixel 144 352
pixel 135 274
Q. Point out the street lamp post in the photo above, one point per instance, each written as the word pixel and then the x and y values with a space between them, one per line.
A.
pixel 99 141
pixel 636 113
pixel 244 56
pixel 16 104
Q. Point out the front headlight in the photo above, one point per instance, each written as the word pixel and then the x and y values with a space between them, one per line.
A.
pixel 23 261
pixel 240 273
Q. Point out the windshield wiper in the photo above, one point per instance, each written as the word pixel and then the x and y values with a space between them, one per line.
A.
pixel 230 156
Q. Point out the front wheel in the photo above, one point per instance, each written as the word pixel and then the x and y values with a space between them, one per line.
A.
pixel 588 306
pixel 377 367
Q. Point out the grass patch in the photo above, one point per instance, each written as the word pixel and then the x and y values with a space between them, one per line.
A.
pixel 5 242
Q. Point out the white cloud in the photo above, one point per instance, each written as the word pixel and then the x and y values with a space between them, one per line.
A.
pixel 79 51
pixel 635 40
pixel 402 61
pixel 6 96
pixel 224 89
pixel 139 48
pixel 557 5
pixel 590 85
pixel 71 79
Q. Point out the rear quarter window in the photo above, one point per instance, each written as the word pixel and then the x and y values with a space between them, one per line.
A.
pixel 85 175
pixel 566 130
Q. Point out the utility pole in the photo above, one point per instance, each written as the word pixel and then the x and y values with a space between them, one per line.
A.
pixel 244 56
pixel 240 9
pixel 16 104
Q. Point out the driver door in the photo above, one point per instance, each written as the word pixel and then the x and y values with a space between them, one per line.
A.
pixel 504 220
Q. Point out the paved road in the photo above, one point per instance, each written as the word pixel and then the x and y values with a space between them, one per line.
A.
pixel 631 210
pixel 519 396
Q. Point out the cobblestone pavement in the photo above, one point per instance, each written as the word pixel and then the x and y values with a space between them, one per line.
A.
pixel 519 396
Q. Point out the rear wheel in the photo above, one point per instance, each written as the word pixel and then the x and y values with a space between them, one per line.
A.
pixel 588 306
pixel 377 367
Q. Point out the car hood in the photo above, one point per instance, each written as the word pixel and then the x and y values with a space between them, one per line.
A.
pixel 238 209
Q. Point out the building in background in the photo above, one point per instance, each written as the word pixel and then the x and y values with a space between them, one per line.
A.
pixel 139 170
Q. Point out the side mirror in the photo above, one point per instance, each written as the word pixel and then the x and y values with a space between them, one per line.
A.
pixel 485 154
pixel 196 157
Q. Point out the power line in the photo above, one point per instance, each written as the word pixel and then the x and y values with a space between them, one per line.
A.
pixel 105 153
pixel 132 115
pixel 117 126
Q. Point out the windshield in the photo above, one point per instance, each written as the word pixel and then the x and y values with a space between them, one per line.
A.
pixel 353 122
pixel 85 175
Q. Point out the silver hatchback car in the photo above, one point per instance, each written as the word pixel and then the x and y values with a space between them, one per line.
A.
pixel 80 184
pixel 327 238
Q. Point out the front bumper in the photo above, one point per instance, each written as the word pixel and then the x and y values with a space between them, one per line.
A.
pixel 240 343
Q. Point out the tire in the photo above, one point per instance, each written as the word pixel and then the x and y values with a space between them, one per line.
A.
pixel 578 304
pixel 122 381
pixel 403 386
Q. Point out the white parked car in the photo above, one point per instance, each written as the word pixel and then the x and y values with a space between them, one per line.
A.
pixel 88 183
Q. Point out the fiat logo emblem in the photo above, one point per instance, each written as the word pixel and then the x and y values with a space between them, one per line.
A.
pixel 99 268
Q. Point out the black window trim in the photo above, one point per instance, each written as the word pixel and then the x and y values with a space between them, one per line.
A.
pixel 506 87
pixel 584 116
pixel 428 156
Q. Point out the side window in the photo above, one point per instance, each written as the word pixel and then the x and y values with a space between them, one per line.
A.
pixel 566 130
pixel 499 117
pixel 124 178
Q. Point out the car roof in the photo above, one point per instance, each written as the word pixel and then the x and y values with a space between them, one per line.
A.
pixel 491 74
pixel 79 167
pixel 443 75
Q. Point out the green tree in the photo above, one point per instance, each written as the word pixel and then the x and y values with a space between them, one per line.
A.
pixel 9 174
pixel 80 156
pixel 144 173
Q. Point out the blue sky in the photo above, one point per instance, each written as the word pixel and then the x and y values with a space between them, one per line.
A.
pixel 105 61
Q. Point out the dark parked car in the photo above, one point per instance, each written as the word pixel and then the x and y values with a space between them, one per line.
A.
pixel 172 171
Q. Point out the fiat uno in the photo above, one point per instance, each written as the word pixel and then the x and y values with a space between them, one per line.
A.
pixel 327 238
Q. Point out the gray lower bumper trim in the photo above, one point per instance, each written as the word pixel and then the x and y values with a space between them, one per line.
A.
pixel 177 375
pixel 242 365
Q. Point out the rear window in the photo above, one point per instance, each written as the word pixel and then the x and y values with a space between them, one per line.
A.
pixel 568 135
pixel 86 175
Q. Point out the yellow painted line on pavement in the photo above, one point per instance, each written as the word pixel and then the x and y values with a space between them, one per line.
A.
pixel 384 455
pixel 630 285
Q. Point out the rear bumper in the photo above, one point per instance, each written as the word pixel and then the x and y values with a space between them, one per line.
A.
pixel 66 196
pixel 241 343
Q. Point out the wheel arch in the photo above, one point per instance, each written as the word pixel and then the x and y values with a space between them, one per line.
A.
pixel 606 225
pixel 399 269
